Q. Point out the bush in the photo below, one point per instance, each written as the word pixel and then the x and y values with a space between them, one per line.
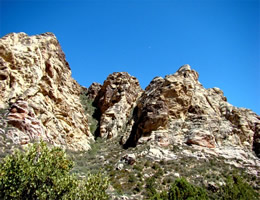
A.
pixel 43 173
pixel 92 188
pixel 181 189
pixel 151 186
pixel 237 188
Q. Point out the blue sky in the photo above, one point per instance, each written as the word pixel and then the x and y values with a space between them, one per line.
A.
pixel 219 38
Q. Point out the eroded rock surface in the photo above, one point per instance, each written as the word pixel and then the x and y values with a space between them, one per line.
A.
pixel 26 126
pixel 33 70
pixel 43 101
pixel 115 102
pixel 93 91
pixel 177 109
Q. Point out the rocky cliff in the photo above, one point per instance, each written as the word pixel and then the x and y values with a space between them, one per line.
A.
pixel 178 127
pixel 42 100
pixel 177 109
pixel 115 101
pixel 39 95
pixel 174 110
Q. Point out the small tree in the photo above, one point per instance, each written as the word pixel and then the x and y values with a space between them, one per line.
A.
pixel 43 173
pixel 237 188
pixel 181 189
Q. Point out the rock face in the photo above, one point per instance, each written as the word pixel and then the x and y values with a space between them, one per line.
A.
pixel 35 80
pixel 27 126
pixel 93 91
pixel 115 101
pixel 177 109
pixel 39 99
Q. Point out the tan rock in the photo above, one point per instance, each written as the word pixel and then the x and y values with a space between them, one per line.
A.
pixel 93 90
pixel 115 102
pixel 178 109
pixel 35 71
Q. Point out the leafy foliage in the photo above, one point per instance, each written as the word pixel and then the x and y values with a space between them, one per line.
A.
pixel 181 189
pixel 43 173
pixel 237 188
pixel 151 186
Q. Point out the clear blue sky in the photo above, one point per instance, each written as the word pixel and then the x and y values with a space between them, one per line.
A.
pixel 147 38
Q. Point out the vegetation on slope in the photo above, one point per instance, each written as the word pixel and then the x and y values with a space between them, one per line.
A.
pixel 40 172
pixel 150 179
pixel 44 173
pixel 89 110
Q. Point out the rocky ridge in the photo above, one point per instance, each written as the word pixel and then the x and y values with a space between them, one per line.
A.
pixel 174 110
pixel 43 101
pixel 175 121
pixel 178 109
pixel 41 97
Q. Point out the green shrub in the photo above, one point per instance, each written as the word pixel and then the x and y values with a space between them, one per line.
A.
pixel 92 188
pixel 160 196
pixel 237 188
pixel 182 189
pixel 43 173
pixel 138 187
pixel 151 186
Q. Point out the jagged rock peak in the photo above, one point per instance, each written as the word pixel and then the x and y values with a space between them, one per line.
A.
pixel 185 67
pixel 187 72
pixel 115 101
pixel 93 90
pixel 179 110
pixel 34 71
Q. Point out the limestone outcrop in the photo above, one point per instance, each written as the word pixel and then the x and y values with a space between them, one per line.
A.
pixel 115 102
pixel 39 93
pixel 177 109
pixel 40 100
pixel 93 90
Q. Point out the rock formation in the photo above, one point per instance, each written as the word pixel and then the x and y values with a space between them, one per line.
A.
pixel 26 126
pixel 177 109
pixel 179 128
pixel 93 91
pixel 39 93
pixel 40 99
pixel 115 102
